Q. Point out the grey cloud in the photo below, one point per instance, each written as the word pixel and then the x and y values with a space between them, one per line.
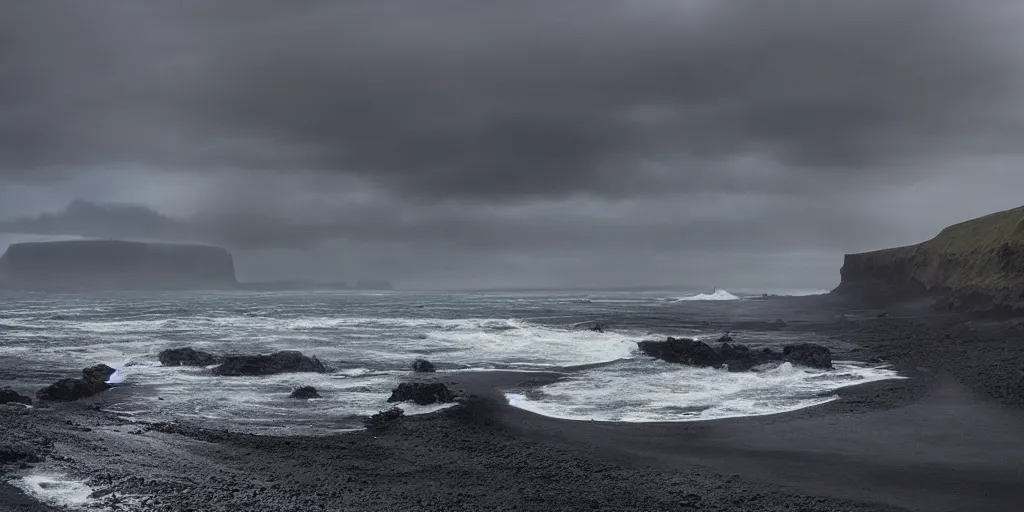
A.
pixel 450 98
pixel 560 140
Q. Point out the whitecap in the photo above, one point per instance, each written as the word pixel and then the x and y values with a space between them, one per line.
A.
pixel 56 490
pixel 717 295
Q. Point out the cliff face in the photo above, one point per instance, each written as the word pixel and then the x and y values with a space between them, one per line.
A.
pixel 975 264
pixel 108 264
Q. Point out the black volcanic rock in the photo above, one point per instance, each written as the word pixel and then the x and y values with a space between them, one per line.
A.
pixel 10 396
pixel 422 393
pixel 187 356
pixel 286 361
pixel 305 393
pixel 807 354
pixel 734 357
pixel 682 350
pixel 93 382
pixel 423 366
pixel 725 338
pixel 112 264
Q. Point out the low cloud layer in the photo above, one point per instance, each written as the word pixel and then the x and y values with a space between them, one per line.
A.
pixel 608 132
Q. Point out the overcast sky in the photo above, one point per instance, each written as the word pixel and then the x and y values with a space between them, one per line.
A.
pixel 463 143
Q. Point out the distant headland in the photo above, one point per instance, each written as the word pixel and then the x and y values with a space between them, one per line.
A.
pixel 115 264
pixel 87 265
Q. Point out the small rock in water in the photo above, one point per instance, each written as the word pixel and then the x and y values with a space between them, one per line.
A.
pixel 422 393
pixel 726 338
pixel 423 366
pixel 10 396
pixel 305 393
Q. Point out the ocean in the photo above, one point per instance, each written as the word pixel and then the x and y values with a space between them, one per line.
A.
pixel 369 340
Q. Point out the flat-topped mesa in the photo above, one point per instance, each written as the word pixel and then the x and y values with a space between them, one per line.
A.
pixel 976 265
pixel 114 264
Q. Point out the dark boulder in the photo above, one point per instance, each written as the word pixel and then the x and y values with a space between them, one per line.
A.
pixel 286 361
pixel 93 382
pixel 187 356
pixel 807 354
pixel 422 393
pixel 734 357
pixel 98 373
pixel 423 366
pixel 382 420
pixel 725 338
pixel 305 393
pixel 10 396
pixel 682 350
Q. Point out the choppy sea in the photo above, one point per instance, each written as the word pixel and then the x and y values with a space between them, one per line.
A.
pixel 369 340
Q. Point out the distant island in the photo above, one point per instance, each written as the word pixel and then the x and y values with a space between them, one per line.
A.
pixel 119 265
pixel 974 266
pixel 115 264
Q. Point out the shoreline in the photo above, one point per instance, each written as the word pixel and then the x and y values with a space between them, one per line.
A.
pixel 944 439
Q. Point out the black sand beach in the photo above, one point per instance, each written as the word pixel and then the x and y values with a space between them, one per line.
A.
pixel 948 438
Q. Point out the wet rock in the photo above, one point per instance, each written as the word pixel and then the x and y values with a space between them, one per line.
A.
pixel 808 354
pixel 100 372
pixel 598 328
pixel 422 393
pixel 423 366
pixel 93 382
pixel 682 350
pixel 725 338
pixel 10 396
pixel 382 420
pixel 305 393
pixel 286 361
pixel 734 357
pixel 187 356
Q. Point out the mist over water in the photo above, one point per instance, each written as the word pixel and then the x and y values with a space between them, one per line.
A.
pixel 369 340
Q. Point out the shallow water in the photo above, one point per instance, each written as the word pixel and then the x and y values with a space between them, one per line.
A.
pixel 369 340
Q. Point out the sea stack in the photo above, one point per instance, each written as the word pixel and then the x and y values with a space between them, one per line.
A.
pixel 115 264
pixel 974 266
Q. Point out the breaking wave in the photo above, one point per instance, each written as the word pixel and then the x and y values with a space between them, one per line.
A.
pixel 715 296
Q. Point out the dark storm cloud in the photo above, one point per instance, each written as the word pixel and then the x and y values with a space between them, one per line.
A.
pixel 497 140
pixel 452 98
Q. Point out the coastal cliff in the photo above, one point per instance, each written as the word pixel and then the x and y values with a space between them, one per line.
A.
pixel 111 264
pixel 975 265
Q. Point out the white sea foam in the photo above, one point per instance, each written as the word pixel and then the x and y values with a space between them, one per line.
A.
pixel 644 391
pixel 56 490
pixel 717 295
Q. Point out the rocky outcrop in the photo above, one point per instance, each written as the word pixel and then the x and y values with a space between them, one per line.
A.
pixel 187 356
pixel 10 396
pixel 734 357
pixel 286 361
pixel 305 393
pixel 112 264
pixel 93 381
pixel 423 366
pixel 422 393
pixel 974 266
